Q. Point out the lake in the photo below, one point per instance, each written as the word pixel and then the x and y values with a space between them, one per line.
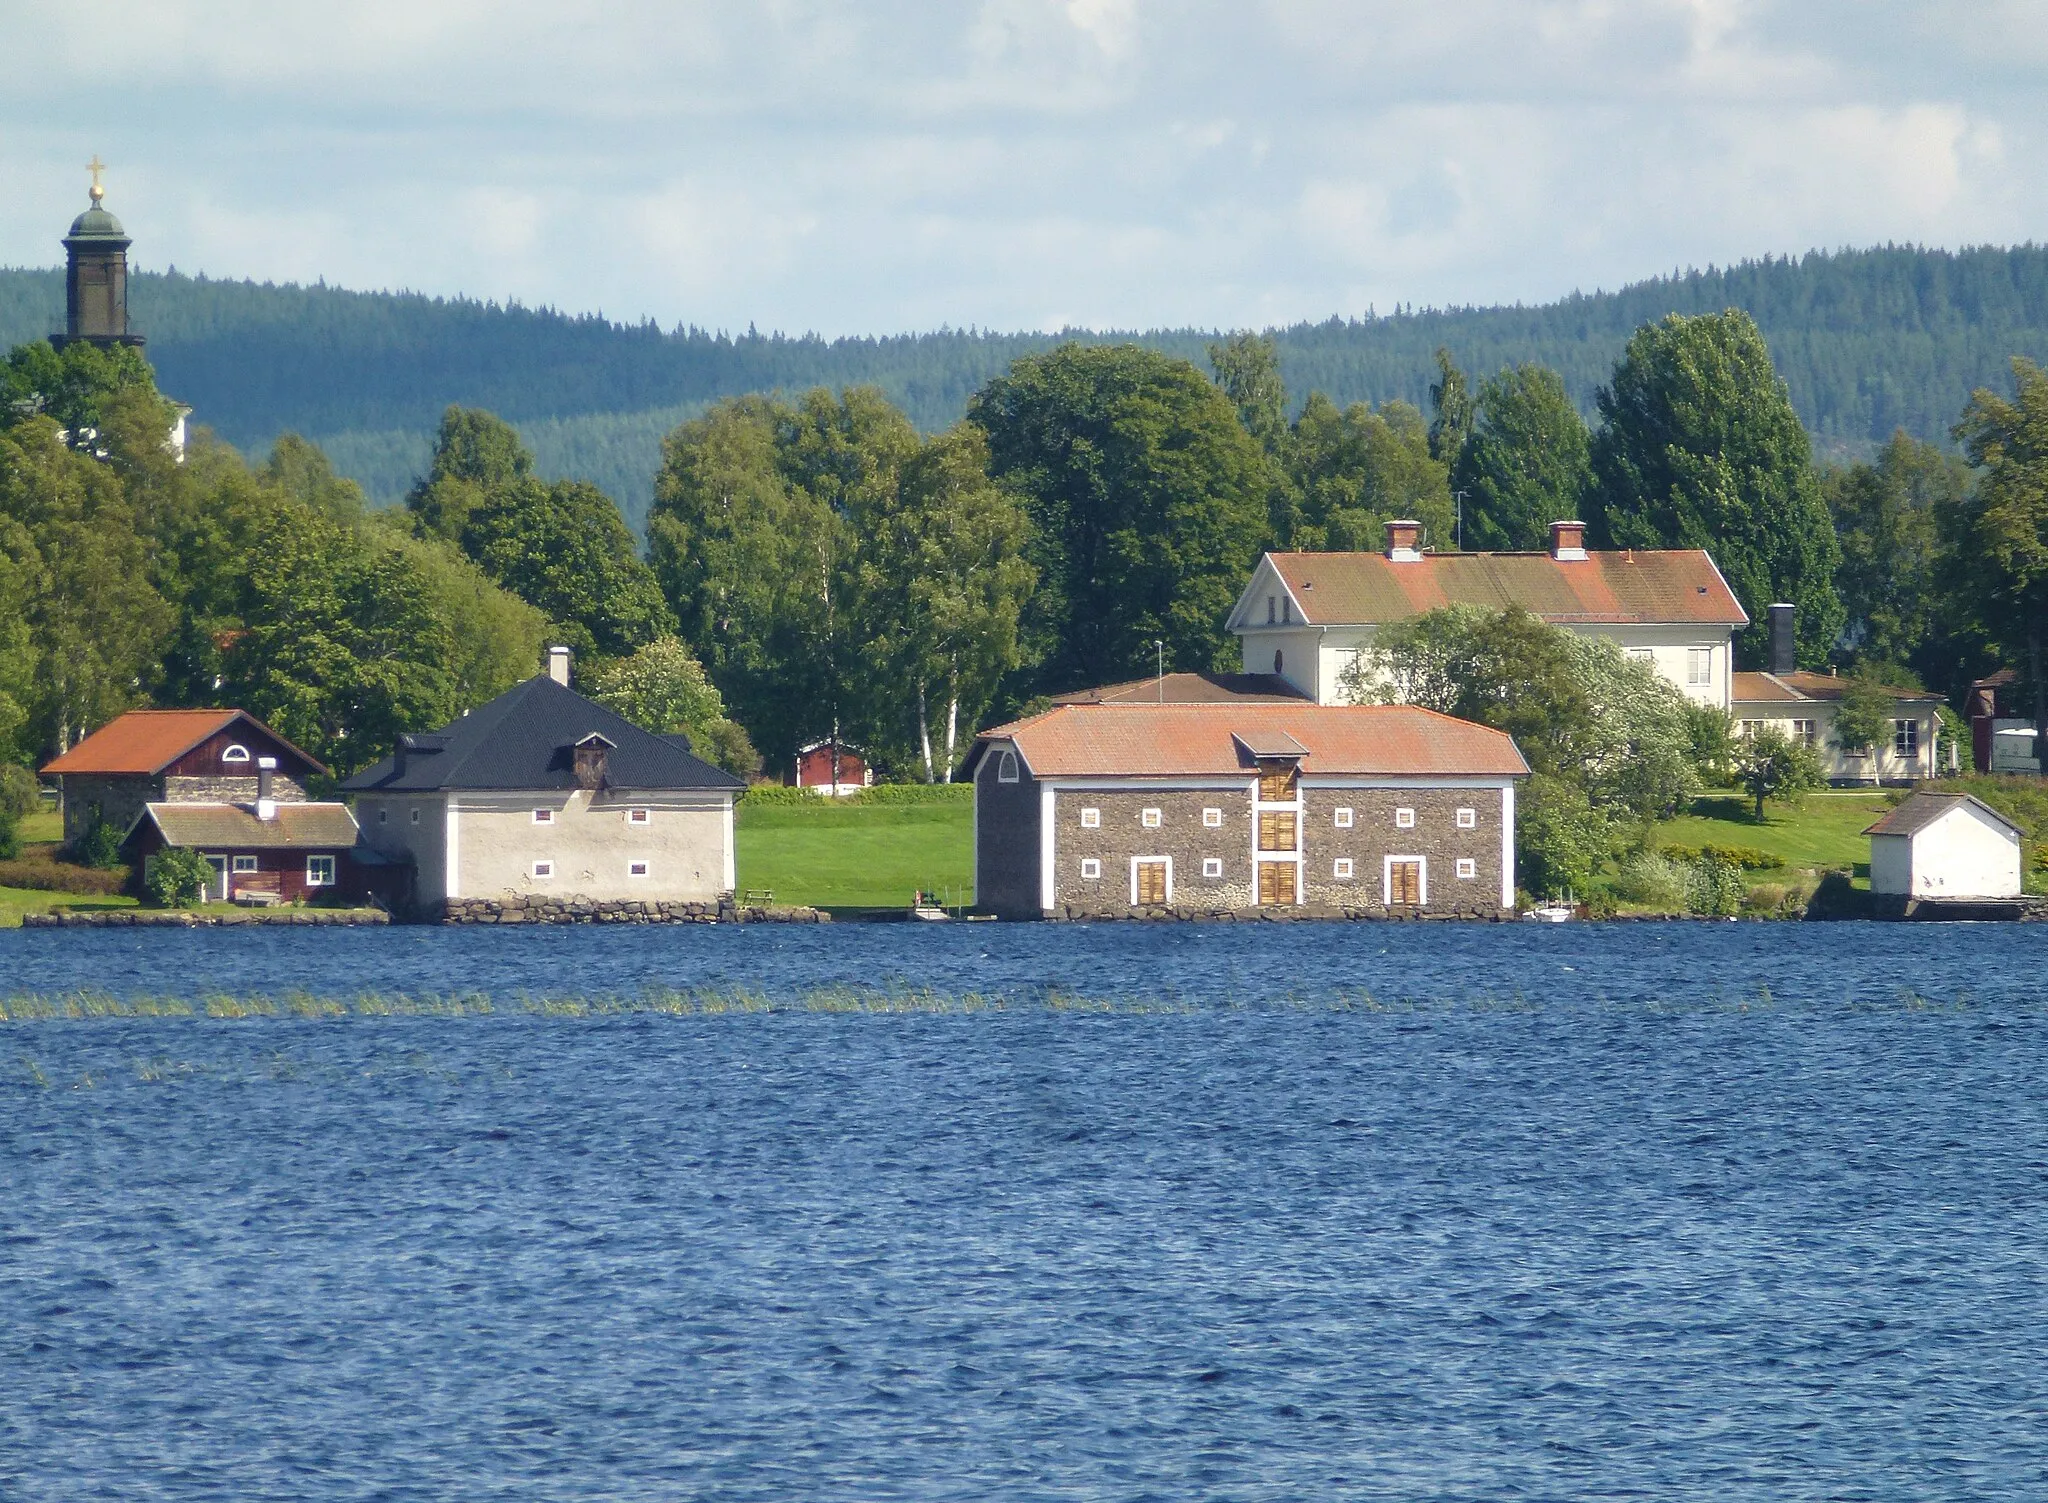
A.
pixel 994 1211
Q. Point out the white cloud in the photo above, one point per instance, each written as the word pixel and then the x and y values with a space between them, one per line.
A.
pixel 805 164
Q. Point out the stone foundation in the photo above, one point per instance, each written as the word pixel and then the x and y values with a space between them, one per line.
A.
pixel 1076 913
pixel 211 917
pixel 570 910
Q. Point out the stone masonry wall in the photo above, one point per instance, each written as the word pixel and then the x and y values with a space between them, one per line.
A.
pixel 116 798
pixel 571 910
pixel 1374 836
pixel 230 790
pixel 1181 835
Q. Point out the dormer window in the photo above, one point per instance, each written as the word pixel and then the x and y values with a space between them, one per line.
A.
pixel 236 752
pixel 592 760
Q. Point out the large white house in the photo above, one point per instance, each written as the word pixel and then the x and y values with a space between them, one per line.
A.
pixel 1305 617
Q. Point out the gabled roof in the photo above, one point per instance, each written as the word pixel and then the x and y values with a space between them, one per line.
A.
pixel 1919 810
pixel 1188 688
pixel 1678 586
pixel 1802 687
pixel 1164 741
pixel 526 738
pixel 148 741
pixel 318 827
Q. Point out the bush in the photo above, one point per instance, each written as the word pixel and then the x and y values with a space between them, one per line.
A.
pixel 781 796
pixel 1713 889
pixel 1650 879
pixel 61 876
pixel 1748 857
pixel 20 794
pixel 10 833
pixel 176 878
pixel 98 846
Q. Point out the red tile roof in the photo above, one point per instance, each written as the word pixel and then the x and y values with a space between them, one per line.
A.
pixel 1188 688
pixel 1194 740
pixel 148 741
pixel 1679 585
pixel 1803 687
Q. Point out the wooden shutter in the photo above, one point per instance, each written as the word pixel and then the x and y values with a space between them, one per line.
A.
pixel 1277 830
pixel 1276 882
pixel 1276 782
pixel 1151 884
pixel 1404 884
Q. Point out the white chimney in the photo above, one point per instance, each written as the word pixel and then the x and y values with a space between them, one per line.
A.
pixel 266 803
pixel 558 665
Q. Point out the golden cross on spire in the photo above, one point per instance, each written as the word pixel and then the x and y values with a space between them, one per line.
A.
pixel 96 167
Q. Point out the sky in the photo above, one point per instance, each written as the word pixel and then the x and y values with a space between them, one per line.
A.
pixel 904 165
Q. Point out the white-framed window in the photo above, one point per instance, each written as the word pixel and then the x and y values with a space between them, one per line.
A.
pixel 245 864
pixel 639 817
pixel 543 870
pixel 235 752
pixel 1149 818
pixel 1343 819
pixel 543 816
pixel 1404 819
pixel 1091 819
pixel 319 871
pixel 1805 732
pixel 1467 869
pixel 1699 667
pixel 636 868
pixel 1212 819
pixel 1006 769
pixel 415 816
pixel 1212 866
pixel 1342 869
pixel 1091 869
pixel 1468 819
pixel 1747 729
pixel 1905 738
pixel 1642 654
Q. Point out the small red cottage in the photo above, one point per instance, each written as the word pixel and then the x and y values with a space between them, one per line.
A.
pixel 826 768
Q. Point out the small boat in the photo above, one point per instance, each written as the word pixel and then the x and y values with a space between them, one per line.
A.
pixel 923 907
pixel 1556 911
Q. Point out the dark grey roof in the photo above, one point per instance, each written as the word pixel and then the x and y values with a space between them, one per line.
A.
pixel 1919 810
pixel 525 738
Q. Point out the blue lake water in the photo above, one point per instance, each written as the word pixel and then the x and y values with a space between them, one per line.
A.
pixel 1347 1211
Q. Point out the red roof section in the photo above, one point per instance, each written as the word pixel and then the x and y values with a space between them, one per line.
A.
pixel 1679 585
pixel 1194 740
pixel 1803 687
pixel 147 741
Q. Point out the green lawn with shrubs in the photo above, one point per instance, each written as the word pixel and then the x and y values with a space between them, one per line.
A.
pixel 872 850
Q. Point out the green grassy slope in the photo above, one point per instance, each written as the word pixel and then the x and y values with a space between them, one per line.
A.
pixel 1825 831
pixel 857 855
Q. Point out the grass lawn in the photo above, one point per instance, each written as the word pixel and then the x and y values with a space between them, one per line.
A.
pixel 15 901
pixel 859 856
pixel 40 828
pixel 1826 830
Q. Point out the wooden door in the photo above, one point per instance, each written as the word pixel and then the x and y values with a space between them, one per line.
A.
pixel 1277 781
pixel 1404 884
pixel 1276 883
pixel 1151 884
pixel 1276 830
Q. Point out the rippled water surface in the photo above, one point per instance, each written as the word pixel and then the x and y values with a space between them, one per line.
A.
pixel 1358 1211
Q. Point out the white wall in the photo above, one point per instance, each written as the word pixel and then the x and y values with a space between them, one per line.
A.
pixel 1879 764
pixel 1963 854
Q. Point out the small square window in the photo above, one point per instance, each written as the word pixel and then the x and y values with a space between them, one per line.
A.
pixel 1091 819
pixel 1404 819
pixel 639 817
pixel 1467 868
pixel 636 868
pixel 415 816
pixel 542 870
pixel 1343 819
pixel 245 863
pixel 1149 819
pixel 1468 819
pixel 1342 870
pixel 1091 870
pixel 319 871
pixel 1212 819
pixel 543 816
pixel 1212 866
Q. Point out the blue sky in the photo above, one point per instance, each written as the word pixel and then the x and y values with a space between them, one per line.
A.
pixel 1018 163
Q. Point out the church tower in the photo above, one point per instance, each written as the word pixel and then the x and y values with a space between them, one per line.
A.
pixel 96 275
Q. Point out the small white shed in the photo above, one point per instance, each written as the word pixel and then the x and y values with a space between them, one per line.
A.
pixel 1945 845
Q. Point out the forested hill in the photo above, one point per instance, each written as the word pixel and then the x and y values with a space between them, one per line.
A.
pixel 1867 340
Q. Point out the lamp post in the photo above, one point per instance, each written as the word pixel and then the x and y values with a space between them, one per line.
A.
pixel 1159 647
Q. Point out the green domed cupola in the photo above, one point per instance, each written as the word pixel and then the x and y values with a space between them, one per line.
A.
pixel 96 275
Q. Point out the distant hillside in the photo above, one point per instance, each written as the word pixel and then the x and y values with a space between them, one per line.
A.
pixel 1868 341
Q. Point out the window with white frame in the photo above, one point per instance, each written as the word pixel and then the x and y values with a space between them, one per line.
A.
pixel 639 816
pixel 1642 654
pixel 636 868
pixel 1212 866
pixel 1091 869
pixel 1091 819
pixel 319 871
pixel 1699 667
pixel 1149 818
pixel 1212 819
pixel 1467 868
pixel 1006 769
pixel 1404 819
pixel 1468 819
pixel 1905 738
pixel 543 816
pixel 1342 869
pixel 235 753
pixel 542 870
pixel 245 864
pixel 1747 729
pixel 1805 732
pixel 1343 818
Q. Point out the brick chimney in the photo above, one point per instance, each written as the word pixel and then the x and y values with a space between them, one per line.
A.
pixel 1568 541
pixel 1784 637
pixel 558 665
pixel 1402 538
pixel 266 800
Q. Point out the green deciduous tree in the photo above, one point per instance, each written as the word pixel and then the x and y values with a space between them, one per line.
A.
pixel 664 689
pixel 1355 470
pixel 73 387
pixel 1527 462
pixel 1147 500
pixel 1770 765
pixel 475 453
pixel 1699 448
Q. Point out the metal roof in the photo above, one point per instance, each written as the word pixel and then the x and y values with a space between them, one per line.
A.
pixel 298 826
pixel 1919 810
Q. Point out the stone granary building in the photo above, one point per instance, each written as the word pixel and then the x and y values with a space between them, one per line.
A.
pixel 1115 809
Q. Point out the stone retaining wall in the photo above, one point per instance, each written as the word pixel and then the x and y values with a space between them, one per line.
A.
pixel 199 918
pixel 546 910
pixel 1076 913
